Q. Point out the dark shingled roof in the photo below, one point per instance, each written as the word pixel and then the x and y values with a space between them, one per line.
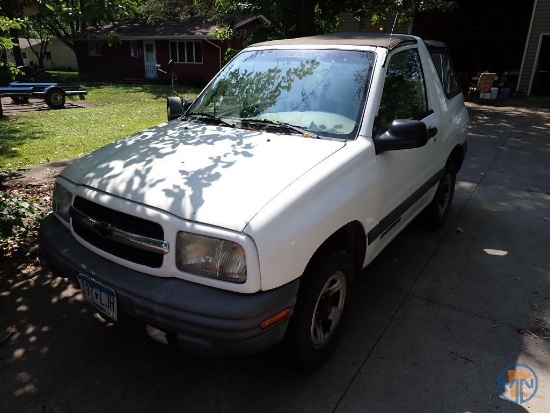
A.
pixel 352 39
pixel 194 27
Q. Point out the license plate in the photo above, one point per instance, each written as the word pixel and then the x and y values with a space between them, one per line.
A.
pixel 100 296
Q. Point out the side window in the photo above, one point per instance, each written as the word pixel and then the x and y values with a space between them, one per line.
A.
pixel 404 94
pixel 134 50
pixel 445 69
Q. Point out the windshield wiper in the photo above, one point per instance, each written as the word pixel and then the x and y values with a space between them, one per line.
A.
pixel 211 117
pixel 283 125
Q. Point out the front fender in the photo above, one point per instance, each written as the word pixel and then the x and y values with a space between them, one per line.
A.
pixel 342 188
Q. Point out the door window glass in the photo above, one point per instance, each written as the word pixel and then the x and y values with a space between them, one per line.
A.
pixel 404 94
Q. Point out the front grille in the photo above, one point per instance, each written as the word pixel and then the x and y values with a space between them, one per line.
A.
pixel 124 222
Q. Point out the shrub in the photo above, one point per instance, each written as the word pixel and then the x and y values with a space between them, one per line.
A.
pixel 19 216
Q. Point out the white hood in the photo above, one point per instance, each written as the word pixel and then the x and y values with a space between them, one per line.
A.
pixel 211 174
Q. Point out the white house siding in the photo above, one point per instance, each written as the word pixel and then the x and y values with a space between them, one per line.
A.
pixel 351 24
pixel 62 56
pixel 540 25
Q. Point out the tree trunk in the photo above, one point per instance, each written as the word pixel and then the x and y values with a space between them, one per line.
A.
pixel 18 57
pixel 304 11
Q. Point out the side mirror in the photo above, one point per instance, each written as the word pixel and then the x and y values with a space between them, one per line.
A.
pixel 174 108
pixel 402 134
pixel 170 66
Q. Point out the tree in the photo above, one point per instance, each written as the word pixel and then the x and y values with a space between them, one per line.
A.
pixel 297 17
pixel 183 10
pixel 65 18
pixel 7 27
pixel 13 11
pixel 7 69
pixel 403 10
pixel 35 29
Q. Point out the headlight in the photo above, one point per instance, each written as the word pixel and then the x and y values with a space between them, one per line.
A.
pixel 211 257
pixel 61 201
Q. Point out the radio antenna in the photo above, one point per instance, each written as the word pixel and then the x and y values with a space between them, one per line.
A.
pixel 393 27
pixel 389 40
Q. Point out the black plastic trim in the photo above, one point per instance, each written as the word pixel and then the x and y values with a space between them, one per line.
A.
pixel 392 219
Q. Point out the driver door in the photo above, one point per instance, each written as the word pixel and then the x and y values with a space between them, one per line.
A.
pixel 408 174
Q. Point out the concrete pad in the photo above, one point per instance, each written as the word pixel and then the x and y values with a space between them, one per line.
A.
pixel 518 137
pixel 522 164
pixel 265 383
pixel 482 151
pixel 499 266
pixel 65 358
pixel 434 358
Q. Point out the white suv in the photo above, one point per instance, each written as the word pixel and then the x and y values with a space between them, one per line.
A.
pixel 243 222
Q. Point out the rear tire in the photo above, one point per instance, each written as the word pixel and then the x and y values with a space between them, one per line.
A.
pixel 55 98
pixel 438 210
pixel 315 326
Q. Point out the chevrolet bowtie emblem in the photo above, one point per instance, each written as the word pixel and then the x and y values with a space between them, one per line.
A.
pixel 103 229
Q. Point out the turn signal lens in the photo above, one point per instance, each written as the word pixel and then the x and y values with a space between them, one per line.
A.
pixel 274 319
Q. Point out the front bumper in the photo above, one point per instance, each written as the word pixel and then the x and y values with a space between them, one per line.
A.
pixel 201 319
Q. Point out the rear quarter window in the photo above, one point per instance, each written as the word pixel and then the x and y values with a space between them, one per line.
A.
pixel 445 69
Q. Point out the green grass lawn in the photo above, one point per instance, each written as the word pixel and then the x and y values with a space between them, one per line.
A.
pixel 111 112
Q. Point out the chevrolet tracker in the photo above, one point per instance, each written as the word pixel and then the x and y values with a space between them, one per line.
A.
pixel 242 223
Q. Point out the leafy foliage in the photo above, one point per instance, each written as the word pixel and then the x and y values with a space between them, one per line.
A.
pixel 18 216
pixel 8 70
pixel 296 17
pixel 402 10
pixel 65 18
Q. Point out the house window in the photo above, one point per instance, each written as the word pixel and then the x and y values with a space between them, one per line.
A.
pixel 94 49
pixel 24 55
pixel 186 52
pixel 48 55
pixel 134 51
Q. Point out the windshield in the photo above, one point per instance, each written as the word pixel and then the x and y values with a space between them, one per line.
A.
pixel 319 91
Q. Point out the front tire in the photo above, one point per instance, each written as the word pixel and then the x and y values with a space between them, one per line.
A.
pixel 315 326
pixel 438 210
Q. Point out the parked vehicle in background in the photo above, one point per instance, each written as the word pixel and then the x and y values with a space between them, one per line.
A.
pixel 243 222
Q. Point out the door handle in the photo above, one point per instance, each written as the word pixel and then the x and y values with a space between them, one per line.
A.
pixel 432 132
